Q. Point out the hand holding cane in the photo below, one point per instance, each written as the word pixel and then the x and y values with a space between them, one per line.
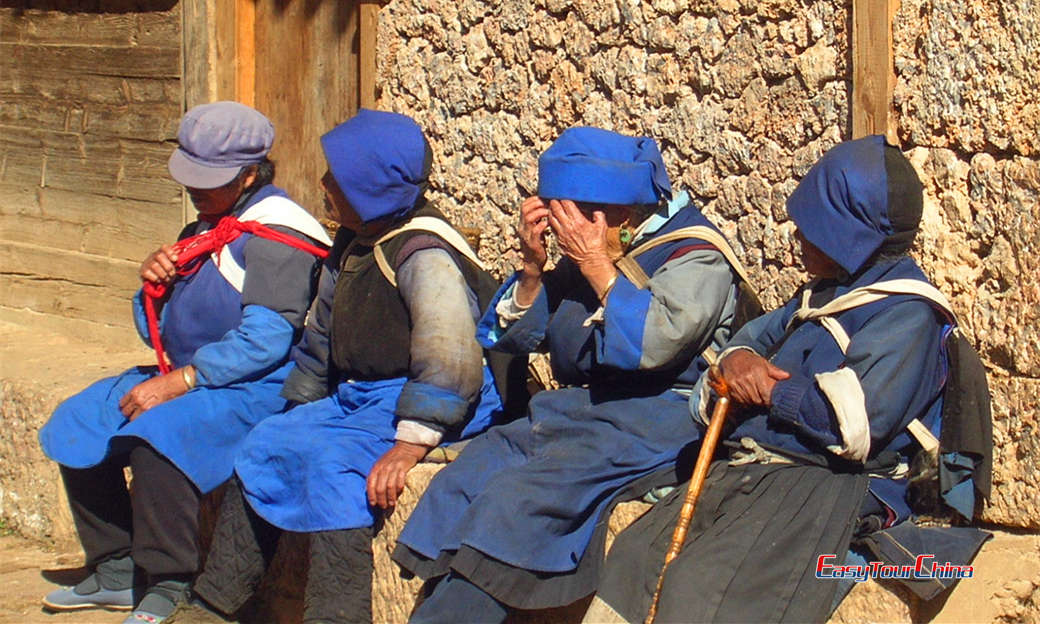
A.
pixel 700 472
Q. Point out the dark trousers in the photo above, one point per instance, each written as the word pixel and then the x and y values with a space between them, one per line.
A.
pixel 156 524
pixel 339 578
pixel 454 599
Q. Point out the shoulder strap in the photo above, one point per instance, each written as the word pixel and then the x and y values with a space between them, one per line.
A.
pixel 441 228
pixel 635 273
pixel 278 210
pixel 874 292
pixel 700 232
pixel 863 296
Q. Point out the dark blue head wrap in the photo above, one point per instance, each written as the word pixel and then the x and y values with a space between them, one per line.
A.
pixel 602 167
pixel 381 161
pixel 861 195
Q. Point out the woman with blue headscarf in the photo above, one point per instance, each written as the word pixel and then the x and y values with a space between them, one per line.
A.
pixel 387 368
pixel 519 519
pixel 837 391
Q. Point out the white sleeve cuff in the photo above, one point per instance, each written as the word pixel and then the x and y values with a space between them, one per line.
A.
pixel 508 310
pixel 417 433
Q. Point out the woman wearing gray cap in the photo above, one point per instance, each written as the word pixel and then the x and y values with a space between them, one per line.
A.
pixel 222 307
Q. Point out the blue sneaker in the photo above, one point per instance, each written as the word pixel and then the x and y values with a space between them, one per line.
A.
pixel 89 594
pixel 159 603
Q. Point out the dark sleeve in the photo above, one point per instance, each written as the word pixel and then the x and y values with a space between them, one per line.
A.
pixel 280 277
pixel 309 379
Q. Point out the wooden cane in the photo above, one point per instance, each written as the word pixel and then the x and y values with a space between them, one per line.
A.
pixel 700 472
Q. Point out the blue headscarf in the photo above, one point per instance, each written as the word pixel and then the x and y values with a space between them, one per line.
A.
pixel 381 161
pixel 842 205
pixel 603 167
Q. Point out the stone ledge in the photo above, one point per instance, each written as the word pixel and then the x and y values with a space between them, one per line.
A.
pixel 45 359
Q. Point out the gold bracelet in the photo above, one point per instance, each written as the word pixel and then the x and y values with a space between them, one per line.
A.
pixel 188 380
pixel 606 291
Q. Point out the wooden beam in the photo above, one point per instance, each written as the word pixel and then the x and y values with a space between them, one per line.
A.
pixel 873 72
pixel 368 28
pixel 245 52
pixel 208 39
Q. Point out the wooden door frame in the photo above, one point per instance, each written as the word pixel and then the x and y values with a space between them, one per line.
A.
pixel 219 50
pixel 873 69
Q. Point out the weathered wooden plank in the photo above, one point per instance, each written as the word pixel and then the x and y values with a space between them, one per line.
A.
pixel 368 28
pixel 101 90
pixel 156 28
pixel 245 52
pixel 21 199
pixel 873 72
pixel 225 65
pixel 145 122
pixel 110 240
pixel 305 100
pixel 208 36
pixel 76 221
pixel 70 299
pixel 21 157
pixel 137 61
pixel 87 163
pixel 42 262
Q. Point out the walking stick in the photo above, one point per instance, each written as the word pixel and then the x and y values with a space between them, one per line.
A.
pixel 700 472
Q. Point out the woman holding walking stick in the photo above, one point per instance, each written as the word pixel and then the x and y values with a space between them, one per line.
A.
pixel 826 392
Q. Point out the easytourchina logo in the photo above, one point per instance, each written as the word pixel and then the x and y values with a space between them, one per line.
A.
pixel 924 567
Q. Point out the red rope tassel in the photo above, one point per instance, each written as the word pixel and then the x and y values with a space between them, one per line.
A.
pixel 191 249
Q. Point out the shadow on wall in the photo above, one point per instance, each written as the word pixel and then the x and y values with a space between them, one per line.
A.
pixel 90 6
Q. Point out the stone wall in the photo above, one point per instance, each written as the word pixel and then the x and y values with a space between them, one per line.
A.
pixel 90 96
pixel 967 79
pixel 743 96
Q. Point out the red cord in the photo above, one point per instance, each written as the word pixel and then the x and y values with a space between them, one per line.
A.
pixel 191 249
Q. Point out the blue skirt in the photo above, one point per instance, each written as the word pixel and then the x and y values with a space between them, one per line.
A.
pixel 201 431
pixel 529 494
pixel 306 470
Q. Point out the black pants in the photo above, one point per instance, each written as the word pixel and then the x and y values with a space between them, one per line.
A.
pixel 339 578
pixel 157 525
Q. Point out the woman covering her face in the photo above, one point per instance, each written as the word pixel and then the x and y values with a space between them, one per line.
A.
pixel 517 520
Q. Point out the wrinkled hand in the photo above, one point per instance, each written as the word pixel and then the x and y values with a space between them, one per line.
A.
pixel 751 377
pixel 534 224
pixel 159 266
pixel 584 242
pixel 386 481
pixel 152 392
pixel 581 240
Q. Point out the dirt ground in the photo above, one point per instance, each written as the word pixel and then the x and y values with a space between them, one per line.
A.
pixel 25 568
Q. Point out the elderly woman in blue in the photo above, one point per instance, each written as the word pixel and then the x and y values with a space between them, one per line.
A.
pixel 838 390
pixel 517 520
pixel 227 327
pixel 388 368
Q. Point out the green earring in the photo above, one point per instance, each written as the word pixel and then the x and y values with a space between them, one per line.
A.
pixel 625 235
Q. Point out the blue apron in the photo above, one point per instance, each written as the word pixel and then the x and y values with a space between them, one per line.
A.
pixel 201 431
pixel 530 493
pixel 306 470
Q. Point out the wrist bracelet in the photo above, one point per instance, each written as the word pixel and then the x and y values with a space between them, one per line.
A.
pixel 189 381
pixel 606 291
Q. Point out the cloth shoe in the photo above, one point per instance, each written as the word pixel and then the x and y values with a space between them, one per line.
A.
pixel 159 603
pixel 110 587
